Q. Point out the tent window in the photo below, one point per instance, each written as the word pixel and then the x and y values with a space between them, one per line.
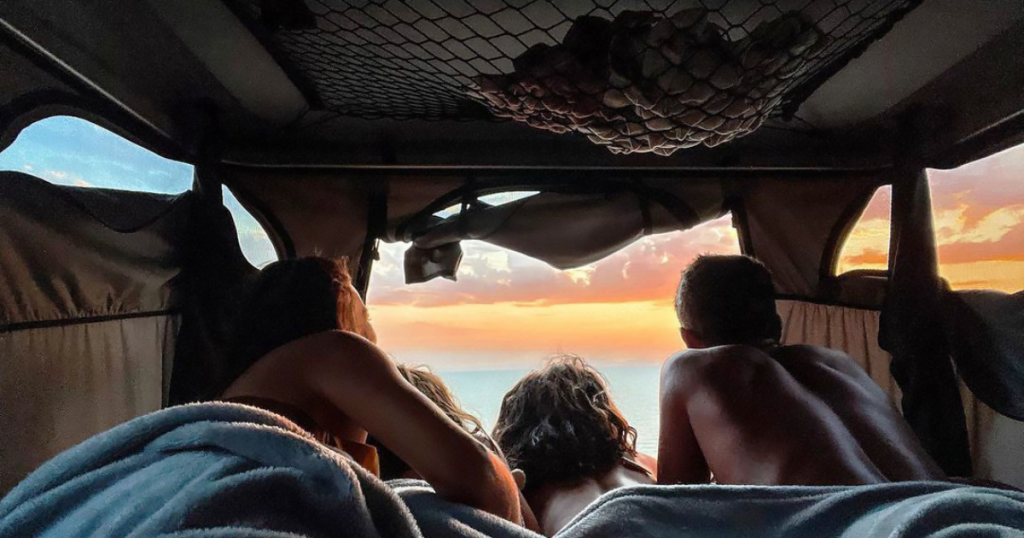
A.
pixel 867 245
pixel 507 312
pixel 73 152
pixel 979 222
pixel 496 199
pixel 256 244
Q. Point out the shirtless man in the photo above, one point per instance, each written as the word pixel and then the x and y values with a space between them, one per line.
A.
pixel 560 428
pixel 741 407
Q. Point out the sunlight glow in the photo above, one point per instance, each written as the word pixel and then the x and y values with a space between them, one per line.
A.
pixel 507 309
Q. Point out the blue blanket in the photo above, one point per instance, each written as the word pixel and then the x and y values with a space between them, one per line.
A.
pixel 209 470
pixel 227 470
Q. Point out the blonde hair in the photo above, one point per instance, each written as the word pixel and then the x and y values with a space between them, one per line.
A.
pixel 433 387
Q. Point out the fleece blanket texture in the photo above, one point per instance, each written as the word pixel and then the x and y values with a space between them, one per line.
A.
pixel 227 470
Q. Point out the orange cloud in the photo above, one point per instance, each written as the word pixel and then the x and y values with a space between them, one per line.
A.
pixel 500 334
pixel 1009 247
pixel 868 257
pixel 507 309
pixel 979 218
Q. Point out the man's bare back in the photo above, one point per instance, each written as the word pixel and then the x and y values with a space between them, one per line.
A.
pixel 784 415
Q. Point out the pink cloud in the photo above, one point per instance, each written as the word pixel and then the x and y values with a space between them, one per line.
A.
pixel 1009 247
pixel 982 186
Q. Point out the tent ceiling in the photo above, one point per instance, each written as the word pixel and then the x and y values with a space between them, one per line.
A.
pixel 929 41
pixel 167 64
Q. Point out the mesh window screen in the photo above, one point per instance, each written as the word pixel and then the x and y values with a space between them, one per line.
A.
pixel 635 76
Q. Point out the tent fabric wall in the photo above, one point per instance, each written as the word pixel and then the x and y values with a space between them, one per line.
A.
pixel 88 281
pixel 69 253
pixel 60 385
pixel 313 212
pixel 567 229
pixel 24 88
pixel 995 440
pixel 326 211
pixel 33 86
pixel 853 330
pixel 563 230
pixel 794 225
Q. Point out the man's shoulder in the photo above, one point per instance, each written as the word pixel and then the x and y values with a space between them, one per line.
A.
pixel 835 359
pixel 708 362
pixel 688 359
pixel 810 351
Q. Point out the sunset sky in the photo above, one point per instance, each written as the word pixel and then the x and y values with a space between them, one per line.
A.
pixel 978 211
pixel 507 310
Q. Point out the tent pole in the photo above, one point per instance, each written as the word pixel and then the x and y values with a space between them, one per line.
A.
pixel 214 275
pixel 376 226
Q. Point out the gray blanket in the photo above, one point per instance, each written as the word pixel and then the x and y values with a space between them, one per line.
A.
pixel 226 471
pixel 905 510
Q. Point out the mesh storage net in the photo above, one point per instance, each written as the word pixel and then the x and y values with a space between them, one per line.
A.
pixel 635 76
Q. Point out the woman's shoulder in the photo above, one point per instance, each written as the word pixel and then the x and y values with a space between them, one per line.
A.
pixel 327 344
pixel 316 356
pixel 336 338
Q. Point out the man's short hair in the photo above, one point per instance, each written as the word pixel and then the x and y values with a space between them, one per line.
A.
pixel 559 425
pixel 728 300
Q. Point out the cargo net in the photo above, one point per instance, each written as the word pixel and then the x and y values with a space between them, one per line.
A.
pixel 634 76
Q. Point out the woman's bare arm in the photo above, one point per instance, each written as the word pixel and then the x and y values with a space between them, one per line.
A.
pixel 363 383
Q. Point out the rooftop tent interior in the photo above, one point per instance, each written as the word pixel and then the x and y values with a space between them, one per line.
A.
pixel 113 304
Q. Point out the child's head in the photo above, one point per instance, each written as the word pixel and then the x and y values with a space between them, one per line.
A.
pixel 559 424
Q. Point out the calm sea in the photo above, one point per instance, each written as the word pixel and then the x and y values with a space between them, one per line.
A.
pixel 634 389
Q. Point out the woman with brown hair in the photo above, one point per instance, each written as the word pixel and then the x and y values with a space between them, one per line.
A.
pixel 303 347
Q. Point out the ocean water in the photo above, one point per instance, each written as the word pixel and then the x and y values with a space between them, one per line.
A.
pixel 633 388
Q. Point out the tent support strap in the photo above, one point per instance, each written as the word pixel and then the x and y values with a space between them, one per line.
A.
pixel 376 227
